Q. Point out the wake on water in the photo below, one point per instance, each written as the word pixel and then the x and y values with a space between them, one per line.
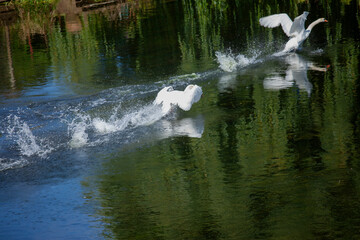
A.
pixel 40 129
pixel 79 124
pixel 83 124
pixel 37 130
pixel 255 53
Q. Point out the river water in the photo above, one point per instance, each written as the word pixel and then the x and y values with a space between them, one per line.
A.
pixel 271 151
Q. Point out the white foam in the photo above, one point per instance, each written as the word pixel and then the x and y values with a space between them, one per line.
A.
pixel 146 115
pixel 102 126
pixel 6 164
pixel 27 143
pixel 140 117
pixel 82 128
pixel 185 77
pixel 98 102
pixel 77 131
pixel 229 62
pixel 79 137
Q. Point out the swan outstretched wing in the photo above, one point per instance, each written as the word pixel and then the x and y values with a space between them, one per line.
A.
pixel 277 19
pixel 299 24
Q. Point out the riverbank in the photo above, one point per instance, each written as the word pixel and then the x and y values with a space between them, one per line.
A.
pixel 9 10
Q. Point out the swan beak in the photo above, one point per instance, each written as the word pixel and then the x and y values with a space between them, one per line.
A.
pixel 325 20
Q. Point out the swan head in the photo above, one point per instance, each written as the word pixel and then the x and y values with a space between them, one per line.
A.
pixel 323 20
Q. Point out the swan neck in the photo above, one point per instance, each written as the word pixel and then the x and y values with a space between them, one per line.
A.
pixel 310 27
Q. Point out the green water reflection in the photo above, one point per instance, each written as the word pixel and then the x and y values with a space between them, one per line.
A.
pixel 270 164
pixel 280 164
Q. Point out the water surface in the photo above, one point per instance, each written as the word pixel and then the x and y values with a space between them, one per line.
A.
pixel 269 152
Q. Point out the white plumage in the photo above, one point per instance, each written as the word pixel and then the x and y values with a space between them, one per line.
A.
pixel 295 30
pixel 169 98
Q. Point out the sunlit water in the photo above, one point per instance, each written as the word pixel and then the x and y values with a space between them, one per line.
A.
pixel 269 152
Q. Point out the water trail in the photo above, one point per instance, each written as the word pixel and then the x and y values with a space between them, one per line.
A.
pixel 145 115
pixel 83 127
pixel 35 130
pixel 141 117
pixel 256 51
pixel 6 164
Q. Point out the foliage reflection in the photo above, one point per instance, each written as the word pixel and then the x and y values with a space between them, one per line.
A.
pixel 272 162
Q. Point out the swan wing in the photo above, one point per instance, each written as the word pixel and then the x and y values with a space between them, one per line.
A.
pixel 275 21
pixel 163 95
pixel 299 24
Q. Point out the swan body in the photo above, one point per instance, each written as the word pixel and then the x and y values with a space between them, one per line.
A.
pixel 169 98
pixel 295 30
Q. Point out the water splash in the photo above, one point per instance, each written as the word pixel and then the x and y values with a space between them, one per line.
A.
pixel 6 164
pixel 77 130
pixel 82 128
pixel 140 117
pixel 29 145
pixel 38 129
pixel 229 62
pixel 103 127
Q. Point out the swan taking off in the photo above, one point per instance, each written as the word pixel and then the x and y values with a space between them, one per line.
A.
pixel 170 98
pixel 295 30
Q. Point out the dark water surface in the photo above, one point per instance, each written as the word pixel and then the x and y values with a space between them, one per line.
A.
pixel 271 151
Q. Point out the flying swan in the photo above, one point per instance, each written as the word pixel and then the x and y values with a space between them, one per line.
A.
pixel 169 98
pixel 295 30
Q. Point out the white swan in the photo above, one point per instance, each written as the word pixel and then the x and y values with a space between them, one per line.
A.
pixel 169 98
pixel 295 30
